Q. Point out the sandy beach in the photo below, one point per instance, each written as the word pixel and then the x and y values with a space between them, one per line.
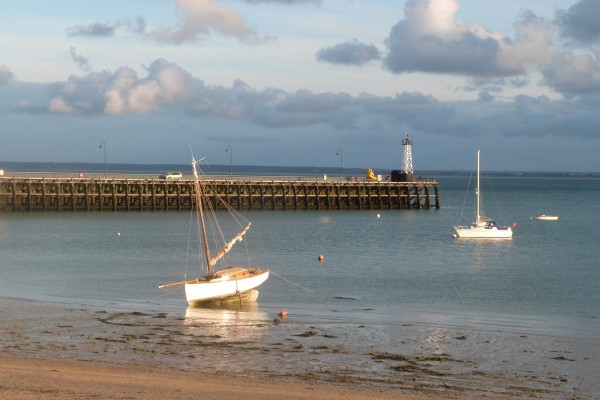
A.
pixel 52 351
pixel 24 379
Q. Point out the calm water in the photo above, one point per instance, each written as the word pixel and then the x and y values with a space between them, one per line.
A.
pixel 384 267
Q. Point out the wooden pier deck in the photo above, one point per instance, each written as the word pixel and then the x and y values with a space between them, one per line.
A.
pixel 116 194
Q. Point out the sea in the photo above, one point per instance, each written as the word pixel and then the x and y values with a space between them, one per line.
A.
pixel 379 267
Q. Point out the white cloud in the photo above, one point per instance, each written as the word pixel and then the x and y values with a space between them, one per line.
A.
pixel 59 106
pixel 433 17
pixel 573 74
pixel 199 18
pixel 82 62
pixel 317 2
pixel 122 92
pixel 581 22
pixel 196 20
pixel 95 29
pixel 532 46
pixel 168 85
pixel 6 76
pixel 431 39
pixel 349 53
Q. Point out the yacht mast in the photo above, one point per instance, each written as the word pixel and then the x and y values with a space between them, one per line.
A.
pixel 477 191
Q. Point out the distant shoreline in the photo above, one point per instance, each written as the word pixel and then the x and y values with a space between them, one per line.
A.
pixel 266 170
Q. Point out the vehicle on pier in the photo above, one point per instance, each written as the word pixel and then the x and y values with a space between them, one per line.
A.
pixel 175 175
pixel 230 283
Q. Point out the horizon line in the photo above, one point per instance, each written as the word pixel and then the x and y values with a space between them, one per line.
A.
pixel 297 167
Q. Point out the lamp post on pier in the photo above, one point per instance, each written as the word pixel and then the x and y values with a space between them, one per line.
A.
pixel 340 153
pixel 103 146
pixel 228 148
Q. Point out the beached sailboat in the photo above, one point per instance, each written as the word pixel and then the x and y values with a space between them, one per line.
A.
pixel 483 227
pixel 228 283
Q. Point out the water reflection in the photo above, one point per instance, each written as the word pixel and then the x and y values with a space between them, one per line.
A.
pixel 231 322
pixel 487 252
pixel 227 313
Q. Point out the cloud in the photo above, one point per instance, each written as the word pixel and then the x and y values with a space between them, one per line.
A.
pixel 123 92
pixel 485 97
pixel 524 116
pixel 532 46
pixel 430 39
pixel 6 76
pixel 349 53
pixel 95 29
pixel 573 74
pixel 199 18
pixel 581 22
pixel 106 30
pixel 137 25
pixel 317 2
pixel 167 86
pixel 272 108
pixel 81 62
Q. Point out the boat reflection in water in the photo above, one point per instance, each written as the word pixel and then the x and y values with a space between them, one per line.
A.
pixel 234 321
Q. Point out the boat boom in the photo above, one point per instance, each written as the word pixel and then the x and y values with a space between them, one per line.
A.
pixel 228 246
pixel 166 285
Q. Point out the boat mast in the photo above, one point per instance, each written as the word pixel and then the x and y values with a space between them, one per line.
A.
pixel 201 212
pixel 477 190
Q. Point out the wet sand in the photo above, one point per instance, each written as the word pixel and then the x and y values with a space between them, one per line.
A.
pixel 40 379
pixel 53 351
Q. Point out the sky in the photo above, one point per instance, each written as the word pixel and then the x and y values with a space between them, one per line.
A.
pixel 303 82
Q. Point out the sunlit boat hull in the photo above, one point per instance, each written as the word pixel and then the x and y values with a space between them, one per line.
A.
pixel 480 232
pixel 547 217
pixel 226 286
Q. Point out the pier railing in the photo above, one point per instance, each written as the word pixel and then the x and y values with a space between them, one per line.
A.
pixel 150 194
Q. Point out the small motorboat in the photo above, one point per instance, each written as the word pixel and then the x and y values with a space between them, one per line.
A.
pixel 545 217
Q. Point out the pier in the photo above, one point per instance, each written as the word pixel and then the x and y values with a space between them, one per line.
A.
pixel 124 194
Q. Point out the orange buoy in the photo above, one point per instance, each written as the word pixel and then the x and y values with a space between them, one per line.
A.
pixel 515 225
pixel 321 257
pixel 283 314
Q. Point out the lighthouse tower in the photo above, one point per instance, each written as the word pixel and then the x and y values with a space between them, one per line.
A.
pixel 406 173
pixel 407 166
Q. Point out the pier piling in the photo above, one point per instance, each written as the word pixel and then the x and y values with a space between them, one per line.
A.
pixel 83 194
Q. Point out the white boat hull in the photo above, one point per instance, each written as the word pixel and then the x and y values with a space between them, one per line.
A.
pixel 483 233
pixel 547 217
pixel 224 288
